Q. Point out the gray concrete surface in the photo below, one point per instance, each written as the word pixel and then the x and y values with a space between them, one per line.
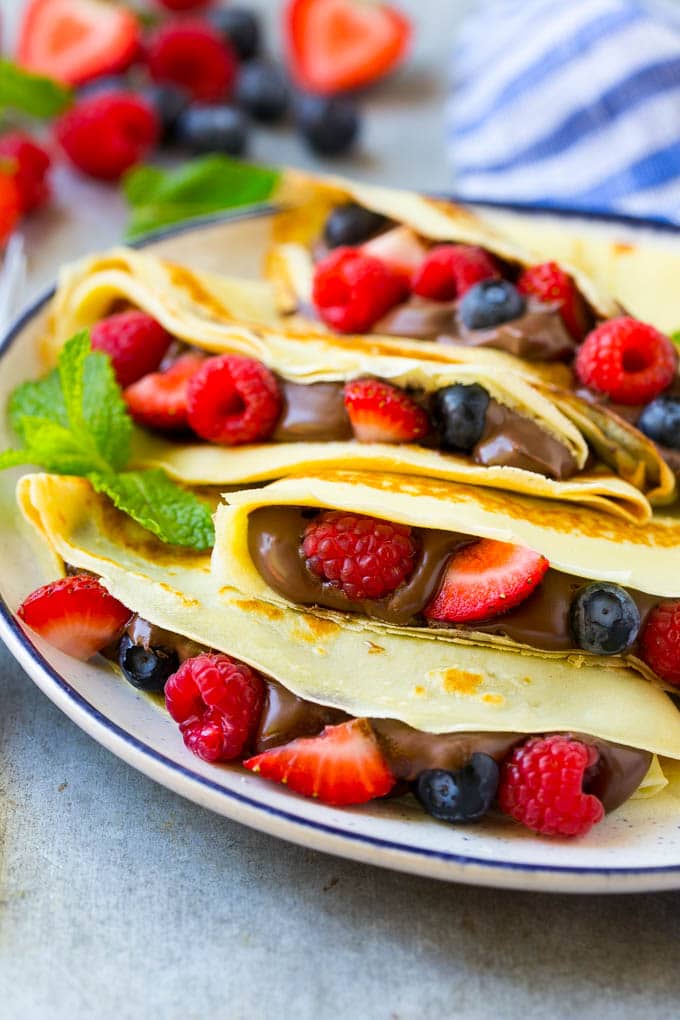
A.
pixel 120 900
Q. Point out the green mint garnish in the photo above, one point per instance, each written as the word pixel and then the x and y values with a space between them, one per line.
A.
pixel 75 422
pixel 31 93
pixel 675 338
pixel 200 186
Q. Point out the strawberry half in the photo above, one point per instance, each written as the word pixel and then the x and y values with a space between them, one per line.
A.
pixel 343 765
pixel 548 282
pixel 77 40
pixel 381 413
pixel 484 579
pixel 75 614
pixel 159 400
pixel 400 249
pixel 335 45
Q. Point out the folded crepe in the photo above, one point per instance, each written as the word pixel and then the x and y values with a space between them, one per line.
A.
pixel 216 314
pixel 359 667
pixel 258 550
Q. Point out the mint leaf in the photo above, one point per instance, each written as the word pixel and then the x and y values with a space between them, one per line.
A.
pixel 105 412
pixel 31 93
pixel 37 399
pixel 55 448
pixel 70 368
pixel 200 186
pixel 161 506
pixel 675 338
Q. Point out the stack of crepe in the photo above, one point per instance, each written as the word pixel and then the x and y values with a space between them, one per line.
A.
pixel 609 517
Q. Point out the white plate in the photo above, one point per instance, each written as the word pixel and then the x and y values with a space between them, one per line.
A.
pixel 636 848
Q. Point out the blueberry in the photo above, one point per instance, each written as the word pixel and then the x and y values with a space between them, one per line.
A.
pixel 204 128
pixel 463 796
pixel 351 224
pixel 239 26
pixel 329 124
pixel 459 414
pixel 147 668
pixel 263 92
pixel 169 101
pixel 660 420
pixel 490 303
pixel 604 619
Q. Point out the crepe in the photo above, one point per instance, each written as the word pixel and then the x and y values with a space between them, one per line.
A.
pixel 436 686
pixel 580 542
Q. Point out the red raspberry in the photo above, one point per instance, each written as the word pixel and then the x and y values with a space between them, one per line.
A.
pixel 352 291
pixel 217 702
pixel 548 283
pixel 660 641
pixel 183 5
pixel 233 400
pixel 541 786
pixel 193 55
pixel 30 165
pixel 105 134
pixel 450 269
pixel 628 360
pixel 135 343
pixel 366 558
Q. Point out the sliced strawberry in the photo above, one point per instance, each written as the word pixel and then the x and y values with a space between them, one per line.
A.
pixel 335 45
pixel 549 283
pixel 159 400
pixel 343 765
pixel 77 40
pixel 484 579
pixel 381 413
pixel 449 270
pixel 399 248
pixel 75 614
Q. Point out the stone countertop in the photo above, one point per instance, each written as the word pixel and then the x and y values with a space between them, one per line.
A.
pixel 118 899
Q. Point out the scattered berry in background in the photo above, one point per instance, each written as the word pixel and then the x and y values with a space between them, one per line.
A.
pixel 29 164
pixel 183 5
pixel 193 55
pixel 330 126
pixel 204 128
pixel 105 134
pixel 262 91
pixel 239 26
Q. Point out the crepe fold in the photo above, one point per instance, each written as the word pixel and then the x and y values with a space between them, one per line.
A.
pixel 576 541
pixel 436 686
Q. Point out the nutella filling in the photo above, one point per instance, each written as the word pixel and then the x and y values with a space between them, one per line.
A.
pixel 312 413
pixel 541 621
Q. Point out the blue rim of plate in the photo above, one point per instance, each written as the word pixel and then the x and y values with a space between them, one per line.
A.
pixel 12 633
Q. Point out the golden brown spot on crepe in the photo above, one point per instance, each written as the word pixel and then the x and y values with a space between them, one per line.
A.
pixel 321 628
pixel 419 689
pixel 621 248
pixel 460 681
pixel 189 603
pixel 263 608
pixel 493 699
pixel 527 680
pixel 183 278
pixel 374 649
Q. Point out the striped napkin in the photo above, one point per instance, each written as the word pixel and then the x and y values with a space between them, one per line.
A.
pixel 573 104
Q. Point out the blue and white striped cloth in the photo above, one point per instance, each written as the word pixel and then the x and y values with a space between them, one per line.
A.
pixel 572 103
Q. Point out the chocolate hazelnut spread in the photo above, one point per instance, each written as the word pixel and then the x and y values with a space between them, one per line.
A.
pixel 541 621
pixel 537 335
pixel 313 412
pixel 512 440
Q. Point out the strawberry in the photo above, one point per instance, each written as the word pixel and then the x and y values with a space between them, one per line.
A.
pixel 449 270
pixel 343 765
pixel 75 614
pixel 10 203
pixel 335 45
pixel 77 40
pixel 400 249
pixel 484 579
pixel 549 283
pixel 159 400
pixel 381 413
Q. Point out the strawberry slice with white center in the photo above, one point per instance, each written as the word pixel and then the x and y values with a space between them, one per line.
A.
pixel 75 614
pixel 160 400
pixel 382 413
pixel 343 765
pixel 484 579
pixel 399 248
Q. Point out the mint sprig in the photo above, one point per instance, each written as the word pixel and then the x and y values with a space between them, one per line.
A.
pixel 31 93
pixel 75 422
pixel 209 184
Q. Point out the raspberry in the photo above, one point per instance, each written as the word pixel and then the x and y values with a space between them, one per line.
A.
pixel 193 55
pixel 135 343
pixel 628 360
pixel 30 166
pixel 352 291
pixel 217 702
pixel 450 269
pixel 660 641
pixel 182 5
pixel 10 205
pixel 107 133
pixel 233 400
pixel 366 558
pixel 541 786
pixel 550 284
